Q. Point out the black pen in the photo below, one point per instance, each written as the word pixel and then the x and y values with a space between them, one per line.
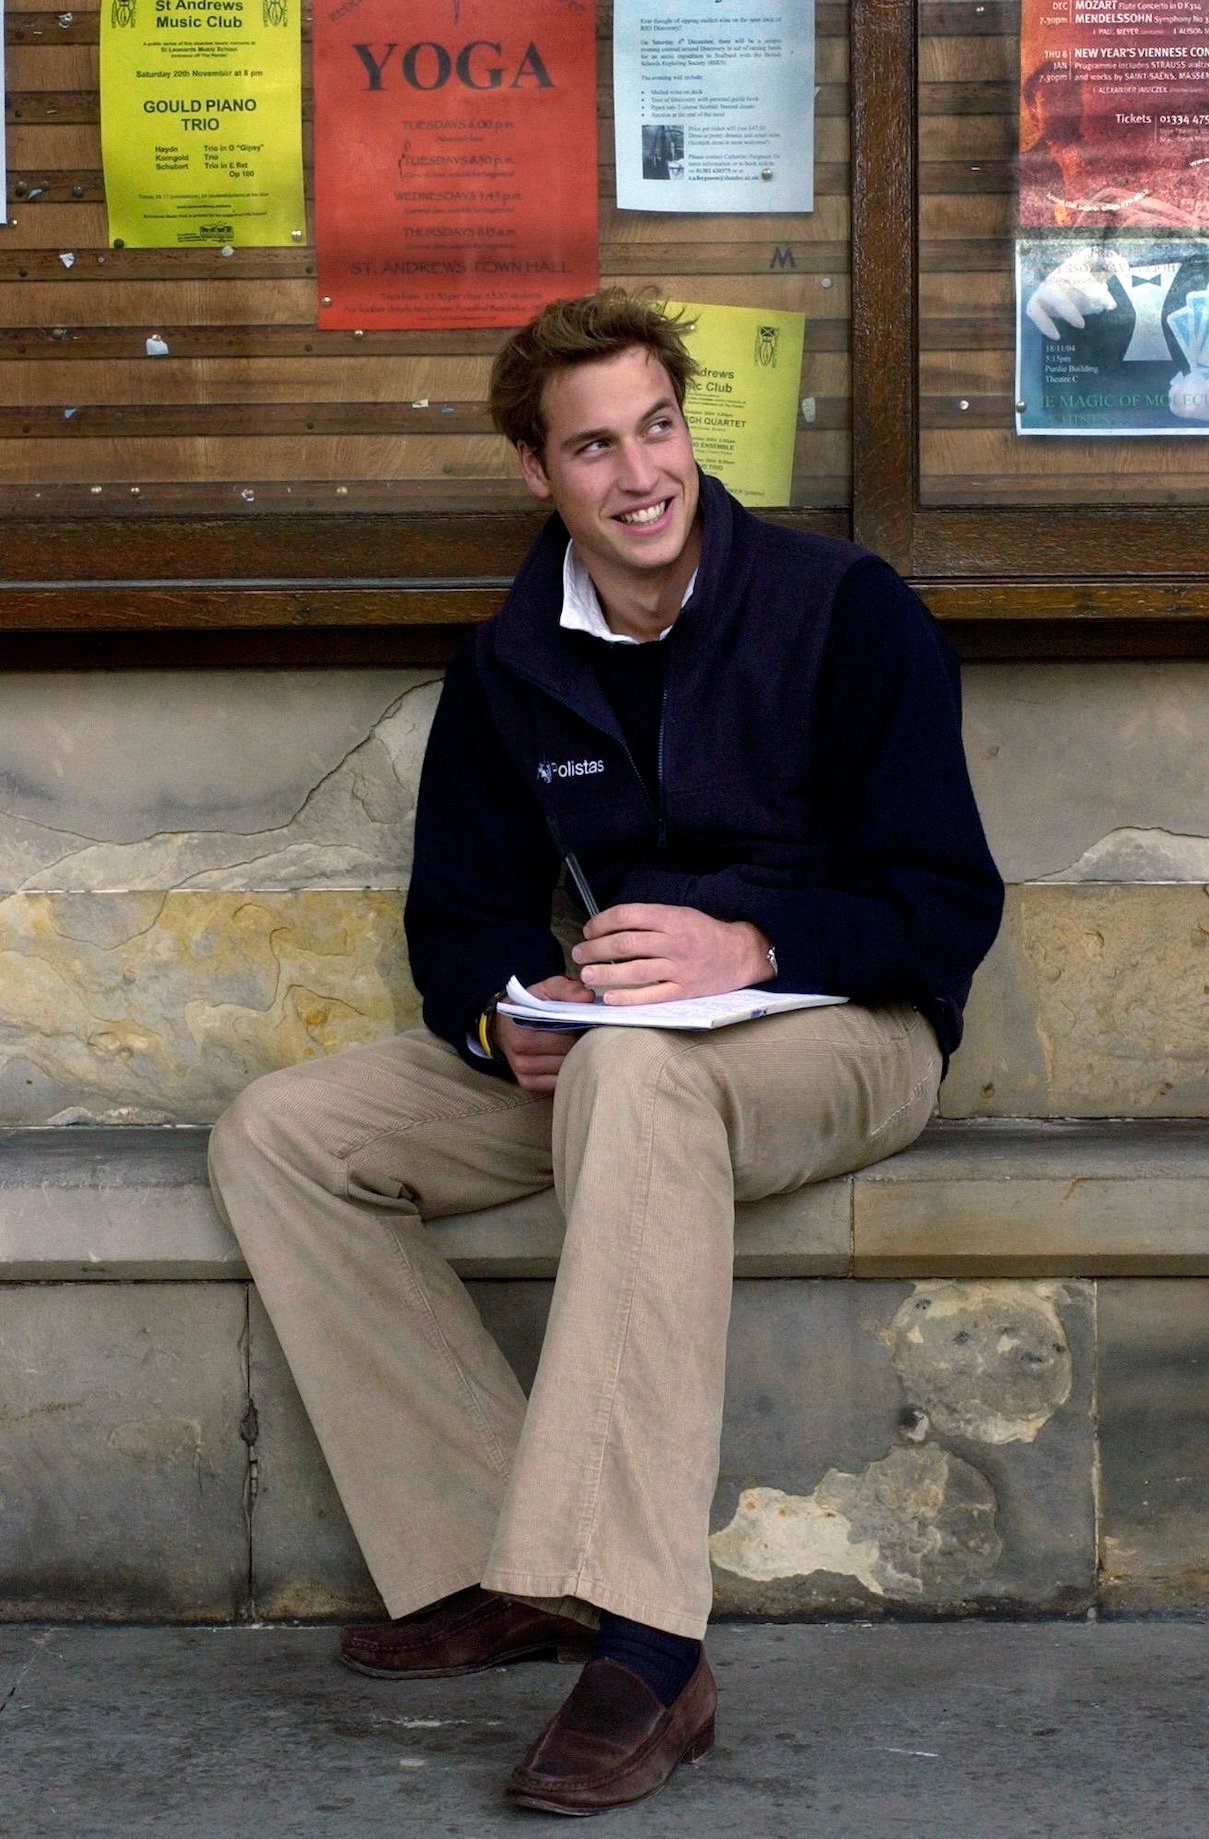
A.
pixel 580 883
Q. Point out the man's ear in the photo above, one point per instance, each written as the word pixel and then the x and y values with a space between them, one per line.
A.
pixel 532 470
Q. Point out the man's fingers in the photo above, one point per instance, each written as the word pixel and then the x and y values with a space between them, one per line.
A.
pixel 617 947
pixel 561 989
pixel 632 973
pixel 648 993
pixel 548 1053
pixel 538 1072
pixel 637 916
pixel 535 1055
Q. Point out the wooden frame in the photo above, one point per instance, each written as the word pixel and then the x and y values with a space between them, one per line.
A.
pixel 1139 571
pixel 344 588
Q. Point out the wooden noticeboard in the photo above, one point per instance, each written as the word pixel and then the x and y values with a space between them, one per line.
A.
pixel 309 495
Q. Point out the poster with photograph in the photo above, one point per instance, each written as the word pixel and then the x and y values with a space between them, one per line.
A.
pixel 1114 114
pixel 455 160
pixel 1112 337
pixel 714 105
pixel 742 406
pixel 201 122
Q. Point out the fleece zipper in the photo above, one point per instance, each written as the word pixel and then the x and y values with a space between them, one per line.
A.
pixel 615 734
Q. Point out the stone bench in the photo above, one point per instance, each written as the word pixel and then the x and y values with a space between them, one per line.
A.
pixel 996 1197
pixel 1008 1413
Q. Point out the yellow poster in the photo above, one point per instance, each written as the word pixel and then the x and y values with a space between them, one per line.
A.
pixel 742 407
pixel 201 122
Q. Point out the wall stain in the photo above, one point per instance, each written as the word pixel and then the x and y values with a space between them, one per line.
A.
pixel 914 1521
pixel 986 1361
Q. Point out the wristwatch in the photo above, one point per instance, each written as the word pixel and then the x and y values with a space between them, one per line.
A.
pixel 486 1031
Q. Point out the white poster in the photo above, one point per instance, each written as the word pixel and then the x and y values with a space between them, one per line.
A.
pixel 714 105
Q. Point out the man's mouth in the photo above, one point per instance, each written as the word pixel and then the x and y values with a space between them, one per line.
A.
pixel 649 514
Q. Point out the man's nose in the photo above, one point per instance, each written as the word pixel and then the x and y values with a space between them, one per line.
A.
pixel 637 471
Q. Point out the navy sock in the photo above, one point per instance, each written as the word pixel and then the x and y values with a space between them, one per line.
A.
pixel 666 1662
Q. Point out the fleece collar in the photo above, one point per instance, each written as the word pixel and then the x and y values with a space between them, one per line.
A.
pixel 528 639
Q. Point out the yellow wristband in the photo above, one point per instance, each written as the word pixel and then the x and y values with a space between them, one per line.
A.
pixel 485 1041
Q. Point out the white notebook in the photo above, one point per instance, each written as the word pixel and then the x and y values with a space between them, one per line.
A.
pixel 688 1012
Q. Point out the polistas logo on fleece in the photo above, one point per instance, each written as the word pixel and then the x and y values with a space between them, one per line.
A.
pixel 550 770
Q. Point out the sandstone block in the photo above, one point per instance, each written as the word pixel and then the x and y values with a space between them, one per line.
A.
pixel 1066 754
pixel 1093 1003
pixel 159 1008
pixel 997 1196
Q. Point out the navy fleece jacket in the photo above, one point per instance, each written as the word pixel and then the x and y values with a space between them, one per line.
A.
pixel 811 780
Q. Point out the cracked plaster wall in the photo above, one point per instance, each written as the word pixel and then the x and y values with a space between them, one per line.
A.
pixel 927 1446
pixel 234 780
pixel 287 779
pixel 890 1444
pixel 1092 771
pixel 201 878
pixel 1093 779
pixel 195 790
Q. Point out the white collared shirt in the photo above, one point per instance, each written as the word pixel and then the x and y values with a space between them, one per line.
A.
pixel 582 611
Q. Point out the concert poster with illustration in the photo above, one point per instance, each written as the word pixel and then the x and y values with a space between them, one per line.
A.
pixel 1114 114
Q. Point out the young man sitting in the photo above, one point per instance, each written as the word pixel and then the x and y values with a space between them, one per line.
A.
pixel 750 739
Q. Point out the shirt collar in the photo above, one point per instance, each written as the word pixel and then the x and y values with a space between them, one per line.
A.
pixel 582 611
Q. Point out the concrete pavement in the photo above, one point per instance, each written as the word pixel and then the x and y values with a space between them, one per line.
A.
pixel 960 1730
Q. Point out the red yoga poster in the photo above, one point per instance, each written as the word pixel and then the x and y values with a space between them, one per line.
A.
pixel 455 160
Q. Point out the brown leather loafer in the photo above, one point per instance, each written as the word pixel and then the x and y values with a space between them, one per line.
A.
pixel 614 1742
pixel 467 1634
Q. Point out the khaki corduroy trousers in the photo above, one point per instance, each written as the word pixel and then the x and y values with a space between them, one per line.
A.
pixel 598 1491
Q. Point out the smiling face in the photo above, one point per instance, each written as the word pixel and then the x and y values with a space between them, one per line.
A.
pixel 618 467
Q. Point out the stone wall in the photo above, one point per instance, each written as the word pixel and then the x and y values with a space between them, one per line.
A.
pixel 1093 781
pixel 913 1448
pixel 202 877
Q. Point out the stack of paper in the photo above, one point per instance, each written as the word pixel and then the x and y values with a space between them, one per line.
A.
pixel 689 1012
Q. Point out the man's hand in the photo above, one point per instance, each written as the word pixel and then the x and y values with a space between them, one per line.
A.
pixel 536 1054
pixel 642 953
